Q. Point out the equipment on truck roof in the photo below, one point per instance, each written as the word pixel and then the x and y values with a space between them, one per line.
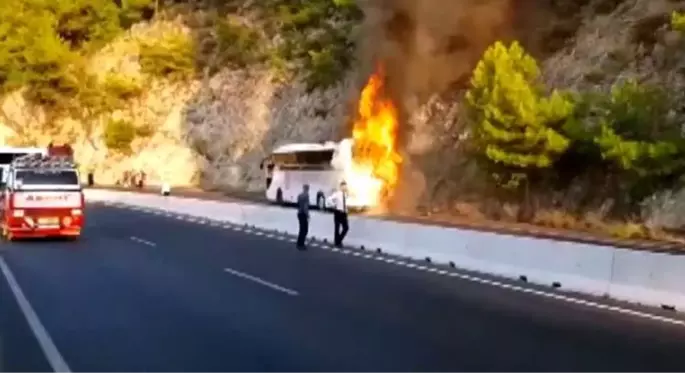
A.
pixel 39 161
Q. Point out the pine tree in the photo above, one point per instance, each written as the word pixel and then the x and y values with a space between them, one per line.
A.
pixel 516 126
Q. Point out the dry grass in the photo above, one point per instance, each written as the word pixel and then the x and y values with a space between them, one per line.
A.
pixel 469 210
pixel 555 219
pixel 593 223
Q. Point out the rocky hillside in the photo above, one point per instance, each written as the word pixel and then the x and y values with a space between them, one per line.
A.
pixel 189 92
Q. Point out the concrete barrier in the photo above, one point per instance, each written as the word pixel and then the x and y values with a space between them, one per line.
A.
pixel 656 279
pixel 649 278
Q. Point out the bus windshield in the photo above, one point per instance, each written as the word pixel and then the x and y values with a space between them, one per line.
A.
pixel 46 177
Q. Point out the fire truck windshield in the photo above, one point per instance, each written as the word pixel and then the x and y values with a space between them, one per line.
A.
pixel 46 177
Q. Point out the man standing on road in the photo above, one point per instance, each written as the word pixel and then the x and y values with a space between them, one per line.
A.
pixel 303 216
pixel 338 201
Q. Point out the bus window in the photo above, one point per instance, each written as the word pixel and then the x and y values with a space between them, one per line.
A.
pixel 315 158
pixel 284 159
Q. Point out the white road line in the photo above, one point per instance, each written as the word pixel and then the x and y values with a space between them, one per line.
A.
pixel 569 299
pixel 261 282
pixel 46 344
pixel 144 242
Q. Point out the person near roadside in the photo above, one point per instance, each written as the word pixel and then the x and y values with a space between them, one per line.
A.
pixel 303 217
pixel 338 202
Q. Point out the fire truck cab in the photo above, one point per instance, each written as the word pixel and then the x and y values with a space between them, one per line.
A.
pixel 42 197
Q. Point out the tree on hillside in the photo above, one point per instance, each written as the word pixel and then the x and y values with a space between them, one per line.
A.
pixel 516 127
pixel 317 37
pixel 119 134
pixel 44 43
pixel 85 23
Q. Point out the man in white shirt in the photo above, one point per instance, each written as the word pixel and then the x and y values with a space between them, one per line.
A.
pixel 338 202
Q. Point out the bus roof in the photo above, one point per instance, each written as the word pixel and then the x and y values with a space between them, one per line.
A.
pixel 306 147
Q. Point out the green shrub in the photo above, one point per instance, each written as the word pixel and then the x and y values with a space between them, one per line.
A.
pixel 145 130
pixel 316 38
pixel 327 59
pixel 122 87
pixel 119 134
pixel 45 43
pixel 133 11
pixel 173 56
pixel 33 55
pixel 631 136
pixel 239 45
pixel 82 23
pixel 637 132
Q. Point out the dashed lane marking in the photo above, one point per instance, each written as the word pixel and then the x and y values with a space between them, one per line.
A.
pixel 51 352
pixel 143 241
pixel 261 282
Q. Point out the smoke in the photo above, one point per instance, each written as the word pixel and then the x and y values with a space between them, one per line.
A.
pixel 428 48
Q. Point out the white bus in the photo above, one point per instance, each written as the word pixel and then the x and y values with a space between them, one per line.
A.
pixel 8 154
pixel 321 165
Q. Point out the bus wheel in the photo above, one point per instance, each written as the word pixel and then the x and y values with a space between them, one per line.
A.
pixel 279 197
pixel 320 202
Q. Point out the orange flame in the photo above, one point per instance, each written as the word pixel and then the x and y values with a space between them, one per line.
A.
pixel 375 140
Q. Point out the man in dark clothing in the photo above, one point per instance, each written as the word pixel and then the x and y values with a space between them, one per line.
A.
pixel 303 216
pixel 338 201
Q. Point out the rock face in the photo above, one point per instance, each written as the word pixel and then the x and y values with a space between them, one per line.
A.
pixel 212 131
pixel 238 116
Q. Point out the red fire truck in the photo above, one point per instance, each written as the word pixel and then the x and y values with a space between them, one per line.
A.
pixel 42 198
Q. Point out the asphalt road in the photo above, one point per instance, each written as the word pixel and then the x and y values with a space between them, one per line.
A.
pixel 141 292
